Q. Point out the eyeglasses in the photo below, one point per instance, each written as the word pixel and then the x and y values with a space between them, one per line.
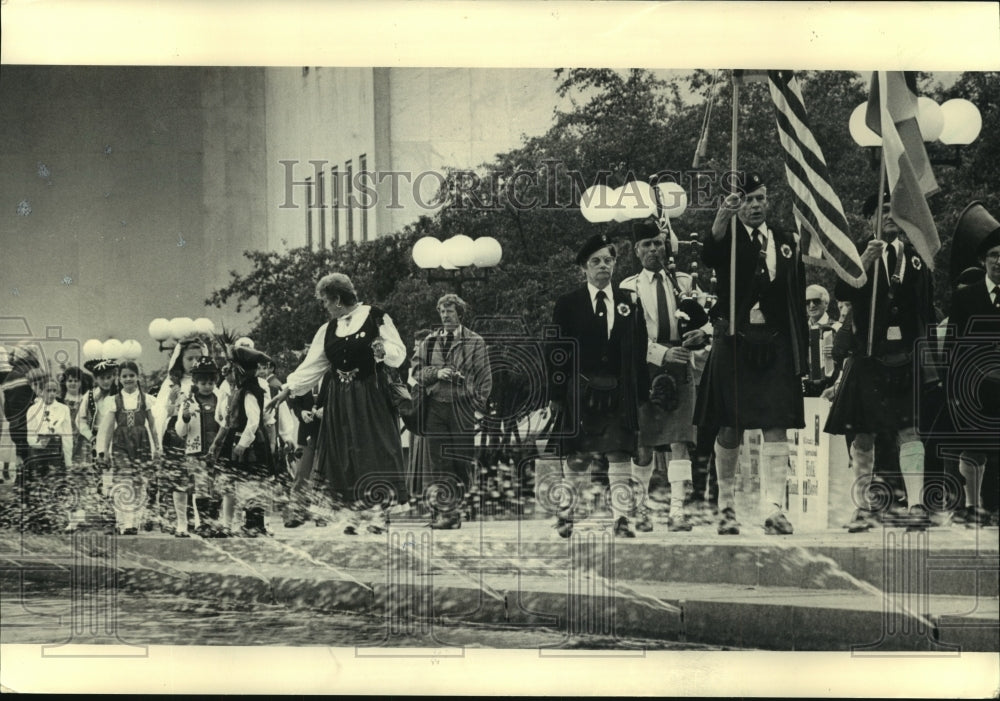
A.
pixel 993 257
pixel 814 301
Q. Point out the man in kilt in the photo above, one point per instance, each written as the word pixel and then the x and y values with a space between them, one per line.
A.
pixel 597 401
pixel 666 415
pixel 753 377
pixel 876 392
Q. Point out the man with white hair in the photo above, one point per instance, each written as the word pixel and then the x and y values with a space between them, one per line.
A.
pixel 822 369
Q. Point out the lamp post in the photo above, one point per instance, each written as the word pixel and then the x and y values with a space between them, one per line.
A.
pixel 954 124
pixel 458 260
pixel 168 333
pixel 111 349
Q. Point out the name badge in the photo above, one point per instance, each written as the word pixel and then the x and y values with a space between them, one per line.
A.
pixel 756 316
pixel 894 334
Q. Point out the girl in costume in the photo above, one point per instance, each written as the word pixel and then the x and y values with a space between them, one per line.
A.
pixel 128 436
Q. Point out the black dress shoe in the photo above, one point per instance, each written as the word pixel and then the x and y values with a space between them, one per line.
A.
pixel 777 524
pixel 728 525
pixel 622 530
pixel 564 526
pixel 293 523
pixel 917 519
pixel 130 531
pixel 862 522
pixel 350 530
pixel 680 524
pixel 447 521
pixel 375 530
pixel 643 523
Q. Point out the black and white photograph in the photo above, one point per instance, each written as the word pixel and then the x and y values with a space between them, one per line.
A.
pixel 511 348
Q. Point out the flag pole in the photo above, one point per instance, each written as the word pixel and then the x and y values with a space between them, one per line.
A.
pixel 878 237
pixel 732 248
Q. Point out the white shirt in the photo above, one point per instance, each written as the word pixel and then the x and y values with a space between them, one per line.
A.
pixel 646 278
pixel 108 407
pixel 609 295
pixel 900 258
pixel 990 286
pixel 316 364
pixel 51 420
pixel 770 254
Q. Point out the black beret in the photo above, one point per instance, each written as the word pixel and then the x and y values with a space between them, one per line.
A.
pixel 645 229
pixel 872 203
pixel 752 181
pixel 992 239
pixel 594 243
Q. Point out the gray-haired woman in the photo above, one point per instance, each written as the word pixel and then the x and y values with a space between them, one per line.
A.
pixel 358 448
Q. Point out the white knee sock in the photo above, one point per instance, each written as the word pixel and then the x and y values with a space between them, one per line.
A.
pixel 619 489
pixel 774 461
pixel 911 464
pixel 864 460
pixel 180 508
pixel 641 475
pixel 972 471
pixel 228 510
pixel 678 474
pixel 725 467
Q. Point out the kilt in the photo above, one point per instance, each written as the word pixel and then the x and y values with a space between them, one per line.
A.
pixel 873 398
pixel 659 427
pixel 743 390
pixel 601 429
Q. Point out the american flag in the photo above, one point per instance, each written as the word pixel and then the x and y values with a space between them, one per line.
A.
pixel 823 229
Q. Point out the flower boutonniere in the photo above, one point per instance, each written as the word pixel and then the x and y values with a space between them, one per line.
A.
pixel 624 310
pixel 786 250
pixel 916 262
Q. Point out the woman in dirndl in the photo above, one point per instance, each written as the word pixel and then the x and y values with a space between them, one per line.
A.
pixel 358 449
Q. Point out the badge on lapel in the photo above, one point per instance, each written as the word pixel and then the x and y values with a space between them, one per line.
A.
pixel 916 262
pixel 786 250
pixel 623 309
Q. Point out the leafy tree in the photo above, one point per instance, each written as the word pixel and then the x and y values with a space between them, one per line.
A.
pixel 621 126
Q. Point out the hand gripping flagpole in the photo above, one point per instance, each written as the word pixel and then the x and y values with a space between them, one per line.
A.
pixel 878 262
pixel 732 170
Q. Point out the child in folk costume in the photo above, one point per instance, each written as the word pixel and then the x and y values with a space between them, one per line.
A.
pixel 128 435
pixel 242 446
pixel 196 424
pixel 88 421
pixel 50 436
pixel 73 385
pixel 173 393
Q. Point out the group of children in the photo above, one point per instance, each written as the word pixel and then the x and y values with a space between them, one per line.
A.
pixel 103 451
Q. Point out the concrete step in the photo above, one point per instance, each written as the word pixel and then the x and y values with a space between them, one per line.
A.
pixel 577 602
pixel 961 562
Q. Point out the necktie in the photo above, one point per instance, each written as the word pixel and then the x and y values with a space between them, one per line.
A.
pixel 996 297
pixel 599 307
pixel 662 310
pixel 890 261
pixel 448 339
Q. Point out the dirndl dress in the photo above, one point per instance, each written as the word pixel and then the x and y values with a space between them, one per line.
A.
pixel 358 450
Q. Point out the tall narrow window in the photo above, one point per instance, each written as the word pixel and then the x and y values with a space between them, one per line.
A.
pixel 321 212
pixel 363 173
pixel 335 205
pixel 349 199
pixel 309 213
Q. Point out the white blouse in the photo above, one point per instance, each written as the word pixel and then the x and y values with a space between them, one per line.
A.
pixel 316 364
pixel 108 407
pixel 51 420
